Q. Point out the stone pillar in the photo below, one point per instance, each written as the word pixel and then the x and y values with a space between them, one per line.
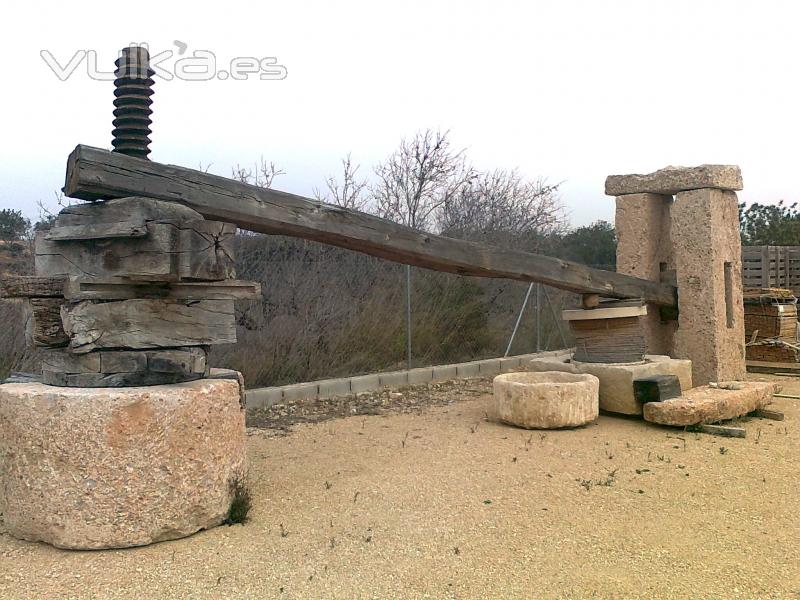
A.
pixel 644 249
pixel 698 235
pixel 92 468
pixel 708 258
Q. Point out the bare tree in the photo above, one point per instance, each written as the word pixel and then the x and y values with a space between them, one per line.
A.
pixel 502 206
pixel 263 174
pixel 419 178
pixel 349 193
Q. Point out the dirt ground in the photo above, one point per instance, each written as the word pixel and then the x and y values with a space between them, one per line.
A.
pixel 424 498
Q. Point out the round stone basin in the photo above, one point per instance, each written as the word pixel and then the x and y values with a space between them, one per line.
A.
pixel 546 400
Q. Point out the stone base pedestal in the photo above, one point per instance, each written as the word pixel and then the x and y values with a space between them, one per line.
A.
pixel 616 379
pixel 91 468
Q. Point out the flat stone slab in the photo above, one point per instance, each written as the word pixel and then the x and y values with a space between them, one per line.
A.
pixel 549 400
pixel 706 404
pixel 616 379
pixel 92 468
pixel 672 180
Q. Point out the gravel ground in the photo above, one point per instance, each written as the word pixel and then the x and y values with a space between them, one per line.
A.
pixel 435 501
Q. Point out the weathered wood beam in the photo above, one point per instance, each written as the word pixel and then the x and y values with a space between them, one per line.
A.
pixel 722 430
pixel 47 330
pixel 119 288
pixel 75 288
pixel 144 324
pixel 114 368
pixel 27 286
pixel 94 174
pixel 98 231
pixel 199 250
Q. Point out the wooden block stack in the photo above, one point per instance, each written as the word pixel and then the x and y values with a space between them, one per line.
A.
pixel 131 291
pixel 609 333
pixel 771 325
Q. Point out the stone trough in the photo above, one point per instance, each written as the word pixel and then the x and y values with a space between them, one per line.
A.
pixel 546 400
pixel 616 379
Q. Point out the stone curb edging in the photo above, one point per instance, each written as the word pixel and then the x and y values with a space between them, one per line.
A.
pixel 349 386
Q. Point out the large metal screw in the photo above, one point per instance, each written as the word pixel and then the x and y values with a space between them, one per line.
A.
pixel 134 86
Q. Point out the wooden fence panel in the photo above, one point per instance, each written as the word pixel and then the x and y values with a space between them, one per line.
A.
pixel 771 266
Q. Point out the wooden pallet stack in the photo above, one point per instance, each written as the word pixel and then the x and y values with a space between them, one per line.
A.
pixel 770 316
pixel 131 291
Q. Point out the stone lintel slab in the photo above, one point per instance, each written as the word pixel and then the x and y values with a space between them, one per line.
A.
pixel 672 180
pixel 93 468
pixel 706 404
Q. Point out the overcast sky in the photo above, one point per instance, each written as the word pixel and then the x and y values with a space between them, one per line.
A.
pixel 571 91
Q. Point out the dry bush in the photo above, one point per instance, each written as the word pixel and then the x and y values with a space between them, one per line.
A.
pixel 329 312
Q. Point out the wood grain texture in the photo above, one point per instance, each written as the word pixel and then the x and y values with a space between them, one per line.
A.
pixel 140 324
pixel 93 173
pixel 603 313
pixel 608 340
pixel 115 368
pixel 25 286
pixel 194 250
pixel 47 330
pixel 134 208
pixel 120 288
pixel 93 380
pixel 760 366
pixel 169 360
pixel 722 430
pixel 98 231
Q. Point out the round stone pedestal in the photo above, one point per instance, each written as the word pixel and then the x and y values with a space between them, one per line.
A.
pixel 90 468
pixel 546 400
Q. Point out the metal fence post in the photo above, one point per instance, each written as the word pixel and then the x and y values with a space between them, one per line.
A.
pixel 538 317
pixel 408 317
pixel 519 318
pixel 556 319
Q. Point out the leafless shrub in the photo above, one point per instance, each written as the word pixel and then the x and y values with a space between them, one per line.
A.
pixel 501 207
pixel 420 177
pixel 327 311
pixel 347 193
pixel 263 173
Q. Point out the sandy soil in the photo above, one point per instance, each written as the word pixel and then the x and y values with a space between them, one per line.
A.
pixel 437 502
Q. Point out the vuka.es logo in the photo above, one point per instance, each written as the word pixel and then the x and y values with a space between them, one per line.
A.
pixel 201 65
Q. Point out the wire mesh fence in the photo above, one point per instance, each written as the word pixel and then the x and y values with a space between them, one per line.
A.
pixel 328 312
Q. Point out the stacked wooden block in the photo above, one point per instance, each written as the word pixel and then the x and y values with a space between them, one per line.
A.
pixel 770 317
pixel 131 291
pixel 611 332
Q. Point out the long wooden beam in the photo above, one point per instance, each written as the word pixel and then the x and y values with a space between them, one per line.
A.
pixel 93 174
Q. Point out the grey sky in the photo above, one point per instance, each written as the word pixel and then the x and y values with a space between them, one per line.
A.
pixel 571 91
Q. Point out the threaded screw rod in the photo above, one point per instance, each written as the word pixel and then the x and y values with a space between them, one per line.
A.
pixel 134 88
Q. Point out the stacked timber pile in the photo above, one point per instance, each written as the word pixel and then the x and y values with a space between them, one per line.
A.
pixel 609 333
pixel 131 291
pixel 770 316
